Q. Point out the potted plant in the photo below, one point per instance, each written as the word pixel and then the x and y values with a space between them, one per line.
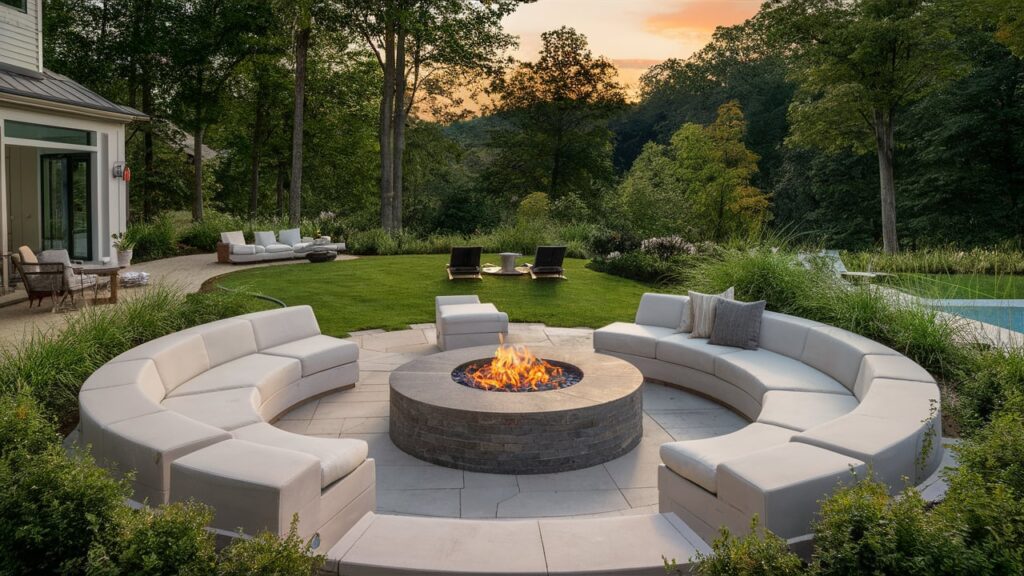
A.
pixel 124 245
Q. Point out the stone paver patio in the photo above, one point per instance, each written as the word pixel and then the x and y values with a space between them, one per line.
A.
pixel 406 485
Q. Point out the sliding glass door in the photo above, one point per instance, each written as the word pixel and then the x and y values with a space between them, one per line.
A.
pixel 66 188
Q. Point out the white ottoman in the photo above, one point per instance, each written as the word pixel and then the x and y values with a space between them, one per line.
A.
pixel 462 321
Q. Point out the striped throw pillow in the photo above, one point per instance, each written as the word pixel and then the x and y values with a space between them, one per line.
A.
pixel 702 308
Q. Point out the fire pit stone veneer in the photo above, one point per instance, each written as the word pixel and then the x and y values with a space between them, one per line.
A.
pixel 438 420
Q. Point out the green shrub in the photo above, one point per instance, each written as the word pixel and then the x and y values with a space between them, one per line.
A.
pixel 267 555
pixel 940 261
pixel 168 541
pixel 53 509
pixel 990 516
pixel 52 366
pixel 759 553
pixel 987 381
pixel 153 240
pixel 535 209
pixel 24 430
pixel 372 242
pixel 637 266
pixel 862 530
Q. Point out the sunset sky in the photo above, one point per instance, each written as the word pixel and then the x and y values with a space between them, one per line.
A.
pixel 634 34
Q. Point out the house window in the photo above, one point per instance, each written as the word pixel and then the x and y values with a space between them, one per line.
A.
pixel 19 4
pixel 14 129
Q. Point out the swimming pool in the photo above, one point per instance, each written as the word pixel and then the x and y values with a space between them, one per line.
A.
pixel 1004 313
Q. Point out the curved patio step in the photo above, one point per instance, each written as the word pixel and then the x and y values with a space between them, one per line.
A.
pixel 396 545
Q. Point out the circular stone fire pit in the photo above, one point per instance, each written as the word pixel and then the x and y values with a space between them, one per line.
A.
pixel 439 420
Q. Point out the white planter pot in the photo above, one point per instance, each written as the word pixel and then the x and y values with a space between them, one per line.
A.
pixel 124 258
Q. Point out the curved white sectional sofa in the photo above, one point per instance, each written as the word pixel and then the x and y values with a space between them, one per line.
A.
pixel 189 413
pixel 822 401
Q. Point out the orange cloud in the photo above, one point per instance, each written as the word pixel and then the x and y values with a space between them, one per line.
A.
pixel 635 63
pixel 701 17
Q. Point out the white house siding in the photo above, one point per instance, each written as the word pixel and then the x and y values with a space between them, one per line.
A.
pixel 109 193
pixel 20 34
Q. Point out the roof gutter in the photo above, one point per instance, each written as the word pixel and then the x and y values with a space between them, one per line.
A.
pixel 54 106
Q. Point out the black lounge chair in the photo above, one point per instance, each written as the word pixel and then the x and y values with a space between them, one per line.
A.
pixel 465 263
pixel 548 263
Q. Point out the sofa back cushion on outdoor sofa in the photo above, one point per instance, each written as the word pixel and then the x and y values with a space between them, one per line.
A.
pixel 839 353
pixel 228 340
pixel 785 334
pixel 179 357
pixel 276 327
pixel 291 236
pixel 265 238
pixel 665 310
pixel 233 237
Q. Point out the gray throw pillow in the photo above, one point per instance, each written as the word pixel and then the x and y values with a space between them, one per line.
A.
pixel 737 324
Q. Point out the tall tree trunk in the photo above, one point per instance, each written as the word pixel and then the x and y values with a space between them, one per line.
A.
pixel 384 130
pixel 197 172
pixel 255 153
pixel 149 165
pixel 279 188
pixel 884 144
pixel 295 198
pixel 398 127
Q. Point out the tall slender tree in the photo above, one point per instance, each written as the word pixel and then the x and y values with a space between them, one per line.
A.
pixel 415 41
pixel 214 37
pixel 857 63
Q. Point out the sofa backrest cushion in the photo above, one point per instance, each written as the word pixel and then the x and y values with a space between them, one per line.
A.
pixel 875 366
pixel 141 373
pixel 839 353
pixel 265 238
pixel 291 236
pixel 785 334
pixel 179 357
pixel 228 340
pixel 233 237
pixel 665 310
pixel 276 327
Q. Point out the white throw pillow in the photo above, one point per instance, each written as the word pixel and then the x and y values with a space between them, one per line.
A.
pixel 265 238
pixel 702 308
pixel 291 236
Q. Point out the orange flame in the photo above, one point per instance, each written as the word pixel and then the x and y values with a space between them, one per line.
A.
pixel 513 367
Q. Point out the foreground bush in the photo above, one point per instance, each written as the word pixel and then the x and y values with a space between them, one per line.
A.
pixel 268 555
pixel 756 554
pixel 53 510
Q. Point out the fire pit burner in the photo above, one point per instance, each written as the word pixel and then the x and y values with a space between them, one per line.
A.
pixel 516 369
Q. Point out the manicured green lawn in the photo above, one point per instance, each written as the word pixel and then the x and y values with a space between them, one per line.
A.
pixel 392 292
pixel 968 286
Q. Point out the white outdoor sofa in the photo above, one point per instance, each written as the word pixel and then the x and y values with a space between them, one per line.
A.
pixel 286 245
pixel 189 413
pixel 823 402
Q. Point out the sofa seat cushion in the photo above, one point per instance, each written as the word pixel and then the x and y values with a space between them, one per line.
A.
pixel 317 353
pixel 698 460
pixel 471 318
pixel 802 410
pixel 226 409
pixel 892 446
pixel 696 353
pixel 629 338
pixel 874 366
pixel 277 248
pixel 269 373
pixel 243 249
pixel 148 444
pixel 338 456
pixel 758 371
pixel 302 247
pixel 784 485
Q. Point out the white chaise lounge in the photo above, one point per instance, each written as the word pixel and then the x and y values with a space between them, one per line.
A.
pixel 823 403
pixel 189 413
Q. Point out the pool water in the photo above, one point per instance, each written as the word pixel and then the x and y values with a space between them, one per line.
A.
pixel 1007 314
